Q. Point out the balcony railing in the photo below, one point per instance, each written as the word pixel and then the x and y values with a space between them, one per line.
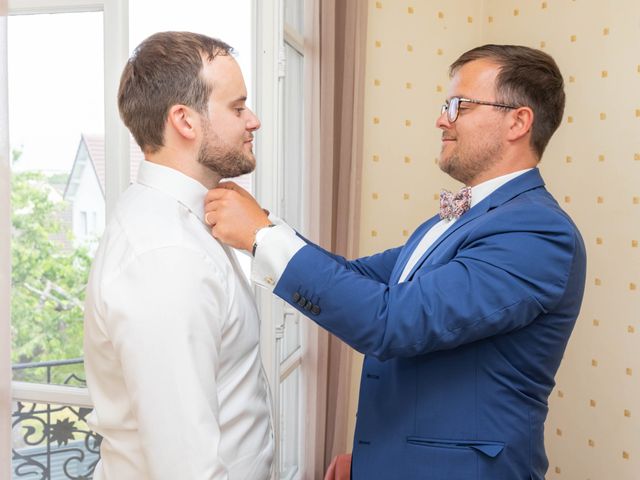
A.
pixel 30 372
pixel 51 440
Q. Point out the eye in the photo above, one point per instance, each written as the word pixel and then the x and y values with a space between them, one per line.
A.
pixel 239 110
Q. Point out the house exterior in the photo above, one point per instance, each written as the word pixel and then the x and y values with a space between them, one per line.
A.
pixel 86 186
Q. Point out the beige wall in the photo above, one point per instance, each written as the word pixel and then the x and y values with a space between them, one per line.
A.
pixel 592 166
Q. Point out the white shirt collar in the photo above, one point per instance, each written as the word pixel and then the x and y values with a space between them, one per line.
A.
pixel 186 190
pixel 484 189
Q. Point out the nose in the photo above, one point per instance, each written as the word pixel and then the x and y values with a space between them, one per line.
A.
pixel 253 123
pixel 442 122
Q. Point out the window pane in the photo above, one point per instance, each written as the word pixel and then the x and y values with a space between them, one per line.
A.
pixel 293 138
pixel 294 14
pixel 291 334
pixel 57 191
pixel 289 425
pixel 52 442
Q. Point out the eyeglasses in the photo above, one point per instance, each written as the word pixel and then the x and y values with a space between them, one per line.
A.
pixel 452 106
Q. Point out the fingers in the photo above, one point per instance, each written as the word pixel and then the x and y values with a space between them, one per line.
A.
pixel 234 187
pixel 233 215
pixel 215 202
pixel 217 194
pixel 228 185
pixel 211 220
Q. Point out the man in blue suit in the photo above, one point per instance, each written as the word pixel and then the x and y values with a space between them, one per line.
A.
pixel 464 327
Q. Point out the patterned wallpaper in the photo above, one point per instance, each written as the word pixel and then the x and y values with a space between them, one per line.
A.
pixel 592 166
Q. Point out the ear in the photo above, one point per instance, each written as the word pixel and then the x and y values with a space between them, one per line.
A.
pixel 183 121
pixel 521 123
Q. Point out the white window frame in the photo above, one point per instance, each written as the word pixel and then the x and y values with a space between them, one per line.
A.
pixel 267 22
pixel 272 33
pixel 116 52
pixel 5 263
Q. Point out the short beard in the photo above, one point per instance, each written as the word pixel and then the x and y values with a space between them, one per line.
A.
pixel 468 169
pixel 222 160
pixel 226 163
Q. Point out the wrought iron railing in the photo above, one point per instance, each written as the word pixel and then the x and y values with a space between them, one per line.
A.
pixel 50 441
pixel 21 371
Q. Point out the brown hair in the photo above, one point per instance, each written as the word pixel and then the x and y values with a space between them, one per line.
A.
pixel 165 70
pixel 527 77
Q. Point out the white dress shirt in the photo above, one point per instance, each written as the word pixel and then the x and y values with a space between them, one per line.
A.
pixel 172 343
pixel 278 245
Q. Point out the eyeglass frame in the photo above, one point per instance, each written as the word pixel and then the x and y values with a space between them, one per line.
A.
pixel 447 104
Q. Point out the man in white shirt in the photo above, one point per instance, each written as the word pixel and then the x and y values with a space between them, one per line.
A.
pixel 171 327
pixel 464 326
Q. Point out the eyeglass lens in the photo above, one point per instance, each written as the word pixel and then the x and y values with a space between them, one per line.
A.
pixel 452 111
pixel 451 107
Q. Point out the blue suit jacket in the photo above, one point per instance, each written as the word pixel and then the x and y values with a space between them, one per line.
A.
pixel 460 358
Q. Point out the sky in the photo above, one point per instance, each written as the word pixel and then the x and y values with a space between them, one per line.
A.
pixel 55 86
pixel 56 70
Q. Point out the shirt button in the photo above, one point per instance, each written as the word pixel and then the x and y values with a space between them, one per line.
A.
pixel 269 280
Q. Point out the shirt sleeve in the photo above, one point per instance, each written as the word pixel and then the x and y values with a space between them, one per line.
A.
pixel 166 311
pixel 276 247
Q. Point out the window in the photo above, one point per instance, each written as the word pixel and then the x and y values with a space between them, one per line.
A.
pixel 56 92
pixel 62 197
pixel 47 119
pixel 281 185
pixel 83 229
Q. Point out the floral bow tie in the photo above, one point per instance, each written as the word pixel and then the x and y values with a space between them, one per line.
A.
pixel 452 206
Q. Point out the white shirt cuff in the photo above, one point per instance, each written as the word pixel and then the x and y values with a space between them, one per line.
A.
pixel 276 247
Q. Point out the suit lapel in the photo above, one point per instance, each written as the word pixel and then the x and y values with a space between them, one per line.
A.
pixel 475 212
pixel 506 192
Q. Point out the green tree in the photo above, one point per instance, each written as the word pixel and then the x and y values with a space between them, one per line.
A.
pixel 48 278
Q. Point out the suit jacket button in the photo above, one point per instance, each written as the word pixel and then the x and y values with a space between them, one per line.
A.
pixel 315 310
pixel 308 305
pixel 302 301
pixel 296 297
